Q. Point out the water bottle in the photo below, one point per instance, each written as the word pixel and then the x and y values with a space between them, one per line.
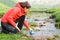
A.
pixel 31 33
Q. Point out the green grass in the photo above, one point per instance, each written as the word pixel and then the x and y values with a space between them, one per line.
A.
pixel 57 25
pixel 3 9
pixel 13 37
pixel 9 3
pixel 32 24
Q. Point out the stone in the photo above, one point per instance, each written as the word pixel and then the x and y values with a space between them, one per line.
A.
pixel 41 25
pixel 44 22
pixel 36 20
pixel 52 17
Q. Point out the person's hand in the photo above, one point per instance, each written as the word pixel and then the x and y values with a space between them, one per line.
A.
pixel 18 29
pixel 30 28
pixel 31 32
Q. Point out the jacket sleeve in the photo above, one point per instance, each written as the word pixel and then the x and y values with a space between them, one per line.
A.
pixel 26 24
pixel 10 20
pixel 10 17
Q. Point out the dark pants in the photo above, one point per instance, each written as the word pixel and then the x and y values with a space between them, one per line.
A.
pixel 8 28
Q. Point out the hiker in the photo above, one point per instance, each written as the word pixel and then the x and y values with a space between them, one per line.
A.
pixel 14 19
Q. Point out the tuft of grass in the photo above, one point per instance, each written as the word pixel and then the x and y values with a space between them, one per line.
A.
pixel 57 25
pixel 33 24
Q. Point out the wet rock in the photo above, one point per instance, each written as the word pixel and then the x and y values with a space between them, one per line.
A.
pixel 52 17
pixel 27 18
pixel 51 20
pixel 36 20
pixel 44 22
pixel 41 25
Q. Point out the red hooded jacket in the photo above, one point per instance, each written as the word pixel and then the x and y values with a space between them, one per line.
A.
pixel 13 14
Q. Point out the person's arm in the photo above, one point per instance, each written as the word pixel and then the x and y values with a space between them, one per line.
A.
pixel 12 14
pixel 10 20
pixel 27 26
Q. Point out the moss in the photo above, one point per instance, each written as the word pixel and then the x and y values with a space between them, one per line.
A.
pixel 57 25
pixel 57 19
pixel 33 24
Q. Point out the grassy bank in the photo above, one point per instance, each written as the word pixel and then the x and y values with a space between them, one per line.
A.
pixel 3 9
pixel 13 37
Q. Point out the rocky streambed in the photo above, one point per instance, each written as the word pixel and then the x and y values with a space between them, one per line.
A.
pixel 45 25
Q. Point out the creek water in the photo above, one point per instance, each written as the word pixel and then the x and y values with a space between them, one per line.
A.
pixel 49 29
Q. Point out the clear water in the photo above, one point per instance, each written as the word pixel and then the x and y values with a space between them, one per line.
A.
pixel 47 30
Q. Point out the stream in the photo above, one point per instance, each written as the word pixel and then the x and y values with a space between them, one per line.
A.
pixel 49 29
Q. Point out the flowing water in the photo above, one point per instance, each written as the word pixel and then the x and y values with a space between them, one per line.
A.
pixel 49 29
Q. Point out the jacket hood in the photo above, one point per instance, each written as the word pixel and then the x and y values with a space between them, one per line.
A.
pixel 18 5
